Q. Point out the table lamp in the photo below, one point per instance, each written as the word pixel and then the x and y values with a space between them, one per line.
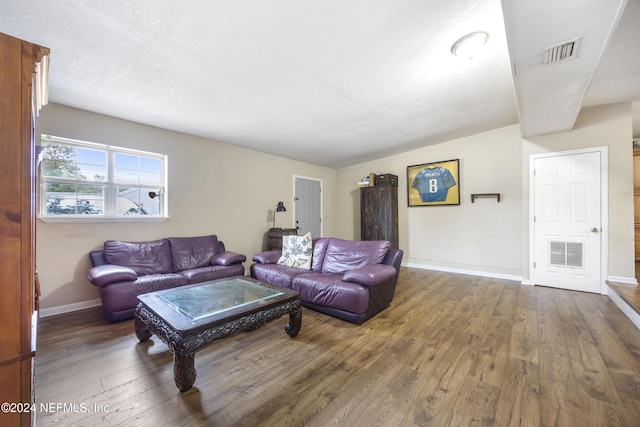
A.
pixel 279 208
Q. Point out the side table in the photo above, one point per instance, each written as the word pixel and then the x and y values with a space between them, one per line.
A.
pixel 274 239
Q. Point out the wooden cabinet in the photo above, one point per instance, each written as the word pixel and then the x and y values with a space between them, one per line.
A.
pixel 22 82
pixel 274 242
pixel 379 213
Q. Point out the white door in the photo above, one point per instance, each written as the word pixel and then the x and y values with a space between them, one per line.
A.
pixel 568 221
pixel 308 206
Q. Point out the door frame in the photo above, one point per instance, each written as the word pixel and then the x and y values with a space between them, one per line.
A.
pixel 295 177
pixel 604 209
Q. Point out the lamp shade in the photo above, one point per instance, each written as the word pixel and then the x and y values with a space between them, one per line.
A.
pixel 280 207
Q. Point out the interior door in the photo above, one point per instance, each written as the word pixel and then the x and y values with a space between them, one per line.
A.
pixel 308 206
pixel 568 221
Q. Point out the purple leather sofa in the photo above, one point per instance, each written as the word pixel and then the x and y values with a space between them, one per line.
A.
pixel 124 270
pixel 351 280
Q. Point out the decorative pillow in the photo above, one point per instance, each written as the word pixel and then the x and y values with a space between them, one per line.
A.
pixel 296 251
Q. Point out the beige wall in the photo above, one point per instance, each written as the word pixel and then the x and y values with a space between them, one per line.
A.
pixel 609 126
pixel 214 188
pixel 231 191
pixel 476 237
pixel 493 238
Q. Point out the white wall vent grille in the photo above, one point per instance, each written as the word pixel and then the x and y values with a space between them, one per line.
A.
pixel 566 254
pixel 561 52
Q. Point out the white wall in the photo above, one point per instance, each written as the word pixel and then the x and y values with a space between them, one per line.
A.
pixel 214 188
pixel 609 126
pixel 493 238
pixel 483 236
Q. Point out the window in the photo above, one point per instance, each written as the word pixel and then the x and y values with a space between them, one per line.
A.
pixel 87 180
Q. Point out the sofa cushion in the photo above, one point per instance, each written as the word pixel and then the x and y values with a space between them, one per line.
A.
pixel 279 275
pixel 330 291
pixel 296 251
pixel 192 252
pixel 343 255
pixel 158 282
pixel 212 272
pixel 142 257
pixel 319 251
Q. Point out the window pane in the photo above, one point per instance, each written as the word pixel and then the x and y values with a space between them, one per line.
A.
pixel 90 199
pixel 150 164
pixel 58 168
pixel 59 161
pixel 149 178
pixel 72 199
pixel 126 176
pixel 150 200
pixel 92 173
pixel 126 161
pixel 92 157
pixel 130 202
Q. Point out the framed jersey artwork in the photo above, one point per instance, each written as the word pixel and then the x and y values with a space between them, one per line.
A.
pixel 434 184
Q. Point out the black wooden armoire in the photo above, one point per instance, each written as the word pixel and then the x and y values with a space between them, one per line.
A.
pixel 379 211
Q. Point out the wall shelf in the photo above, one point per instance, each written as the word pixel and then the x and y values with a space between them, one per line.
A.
pixel 475 196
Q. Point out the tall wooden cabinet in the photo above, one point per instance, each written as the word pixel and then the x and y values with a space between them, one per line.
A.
pixel 23 80
pixel 379 213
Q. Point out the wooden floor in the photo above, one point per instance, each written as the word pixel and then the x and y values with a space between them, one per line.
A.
pixel 452 350
pixel 628 292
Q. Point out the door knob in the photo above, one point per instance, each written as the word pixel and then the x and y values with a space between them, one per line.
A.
pixel 595 230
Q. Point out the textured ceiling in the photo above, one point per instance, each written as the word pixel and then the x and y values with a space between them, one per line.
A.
pixel 331 83
pixel 549 96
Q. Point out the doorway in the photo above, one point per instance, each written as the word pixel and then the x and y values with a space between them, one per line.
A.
pixel 569 219
pixel 307 206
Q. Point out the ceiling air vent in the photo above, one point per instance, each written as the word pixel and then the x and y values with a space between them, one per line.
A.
pixel 561 52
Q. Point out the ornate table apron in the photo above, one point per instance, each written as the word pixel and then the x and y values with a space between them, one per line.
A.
pixel 185 344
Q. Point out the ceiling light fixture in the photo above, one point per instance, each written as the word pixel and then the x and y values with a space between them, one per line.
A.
pixel 469 45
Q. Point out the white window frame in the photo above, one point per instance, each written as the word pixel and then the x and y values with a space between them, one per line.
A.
pixel 110 197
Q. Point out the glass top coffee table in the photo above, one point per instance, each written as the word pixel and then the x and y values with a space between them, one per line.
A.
pixel 190 317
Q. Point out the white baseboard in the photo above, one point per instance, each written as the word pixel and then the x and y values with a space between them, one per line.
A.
pixel 624 307
pixel 463 271
pixel 621 279
pixel 52 311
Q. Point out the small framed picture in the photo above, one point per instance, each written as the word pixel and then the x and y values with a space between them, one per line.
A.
pixel 434 184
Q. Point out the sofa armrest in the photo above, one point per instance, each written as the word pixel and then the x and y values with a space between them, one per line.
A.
pixel 228 258
pixel 370 275
pixel 268 257
pixel 102 275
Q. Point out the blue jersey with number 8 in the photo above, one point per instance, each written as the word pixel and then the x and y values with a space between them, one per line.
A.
pixel 433 184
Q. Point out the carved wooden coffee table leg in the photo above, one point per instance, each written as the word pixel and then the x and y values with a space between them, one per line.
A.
pixel 142 331
pixel 184 371
pixel 295 323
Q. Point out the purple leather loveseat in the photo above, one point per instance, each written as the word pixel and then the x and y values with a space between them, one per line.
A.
pixel 351 280
pixel 124 270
